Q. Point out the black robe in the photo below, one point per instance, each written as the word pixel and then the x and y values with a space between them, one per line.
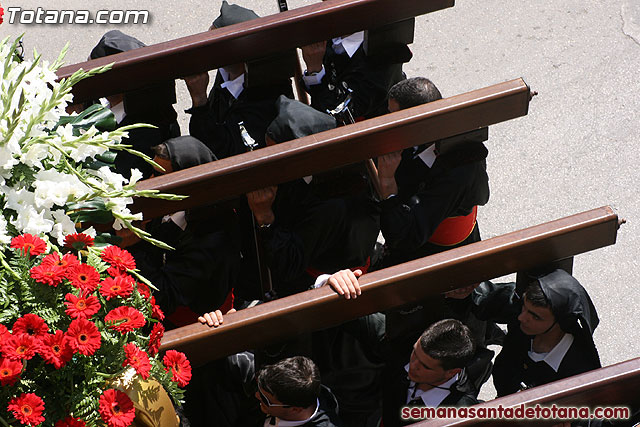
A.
pixel 574 312
pixel 513 365
pixel 216 123
pixel 369 78
pixel 456 182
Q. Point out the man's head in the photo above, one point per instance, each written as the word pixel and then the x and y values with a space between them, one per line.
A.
pixel 412 92
pixel 296 120
pixel 441 352
pixel 180 153
pixel 289 387
pixel 557 299
pixel 114 41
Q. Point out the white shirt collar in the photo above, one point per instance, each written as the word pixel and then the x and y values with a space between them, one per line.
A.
pixel 428 156
pixel 283 423
pixel 236 86
pixel 433 397
pixel 557 353
pixel 348 44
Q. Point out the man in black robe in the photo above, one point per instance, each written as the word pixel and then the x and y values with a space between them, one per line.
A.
pixel 234 117
pixel 304 234
pixel 138 107
pixel 550 339
pixel 430 192
pixel 199 275
pixel 435 375
pixel 340 67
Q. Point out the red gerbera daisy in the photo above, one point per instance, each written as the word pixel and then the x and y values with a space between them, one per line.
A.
pixel 83 336
pixel 144 290
pixel 119 258
pixel 71 422
pixel 116 409
pixel 78 241
pixel 27 408
pixel 4 334
pixel 83 277
pixel 48 274
pixel 20 346
pixel 157 332
pixel 67 261
pixel 138 359
pixel 124 319
pixel 29 244
pixel 156 311
pixel 119 286
pixel 10 371
pixel 55 349
pixel 179 365
pixel 81 306
pixel 31 324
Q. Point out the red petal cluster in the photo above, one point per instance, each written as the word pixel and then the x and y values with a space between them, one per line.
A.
pixel 83 337
pixel 31 324
pixel 119 286
pixel 83 277
pixel 48 274
pixel 20 346
pixel 55 349
pixel 157 332
pixel 29 244
pixel 9 371
pixel 138 359
pixel 4 334
pixel 144 290
pixel 156 311
pixel 66 262
pixel 71 422
pixel 124 319
pixel 118 258
pixel 116 409
pixel 179 365
pixel 27 408
pixel 82 306
pixel 78 241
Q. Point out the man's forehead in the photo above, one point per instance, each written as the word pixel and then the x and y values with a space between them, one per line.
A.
pixel 424 358
pixel 544 312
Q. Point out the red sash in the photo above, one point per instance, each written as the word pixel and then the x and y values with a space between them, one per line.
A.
pixel 455 229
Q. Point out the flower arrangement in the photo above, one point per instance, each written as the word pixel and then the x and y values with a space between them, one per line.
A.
pixel 54 167
pixel 72 323
pixel 76 320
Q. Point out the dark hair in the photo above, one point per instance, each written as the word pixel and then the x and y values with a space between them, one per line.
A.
pixel 414 91
pixel 535 296
pixel 161 151
pixel 450 342
pixel 294 381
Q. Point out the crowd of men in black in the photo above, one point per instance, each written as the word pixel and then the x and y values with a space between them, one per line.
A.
pixel 433 353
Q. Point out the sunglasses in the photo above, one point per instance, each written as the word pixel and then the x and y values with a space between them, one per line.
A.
pixel 264 400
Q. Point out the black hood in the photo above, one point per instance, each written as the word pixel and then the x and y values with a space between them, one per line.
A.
pixel 296 120
pixel 187 151
pixel 233 14
pixel 115 41
pixel 570 303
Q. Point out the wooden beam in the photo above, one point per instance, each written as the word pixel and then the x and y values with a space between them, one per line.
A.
pixel 337 147
pixel 395 286
pixel 241 42
pixel 615 385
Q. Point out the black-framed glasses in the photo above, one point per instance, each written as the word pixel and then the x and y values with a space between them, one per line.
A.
pixel 264 400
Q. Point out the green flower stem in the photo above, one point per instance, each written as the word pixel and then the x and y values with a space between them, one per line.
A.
pixel 8 268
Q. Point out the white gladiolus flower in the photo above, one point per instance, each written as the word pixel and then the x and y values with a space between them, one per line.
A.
pixel 63 225
pixel 31 221
pixel 111 179
pixel 18 199
pixel 136 176
pixel 5 238
pixel 84 151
